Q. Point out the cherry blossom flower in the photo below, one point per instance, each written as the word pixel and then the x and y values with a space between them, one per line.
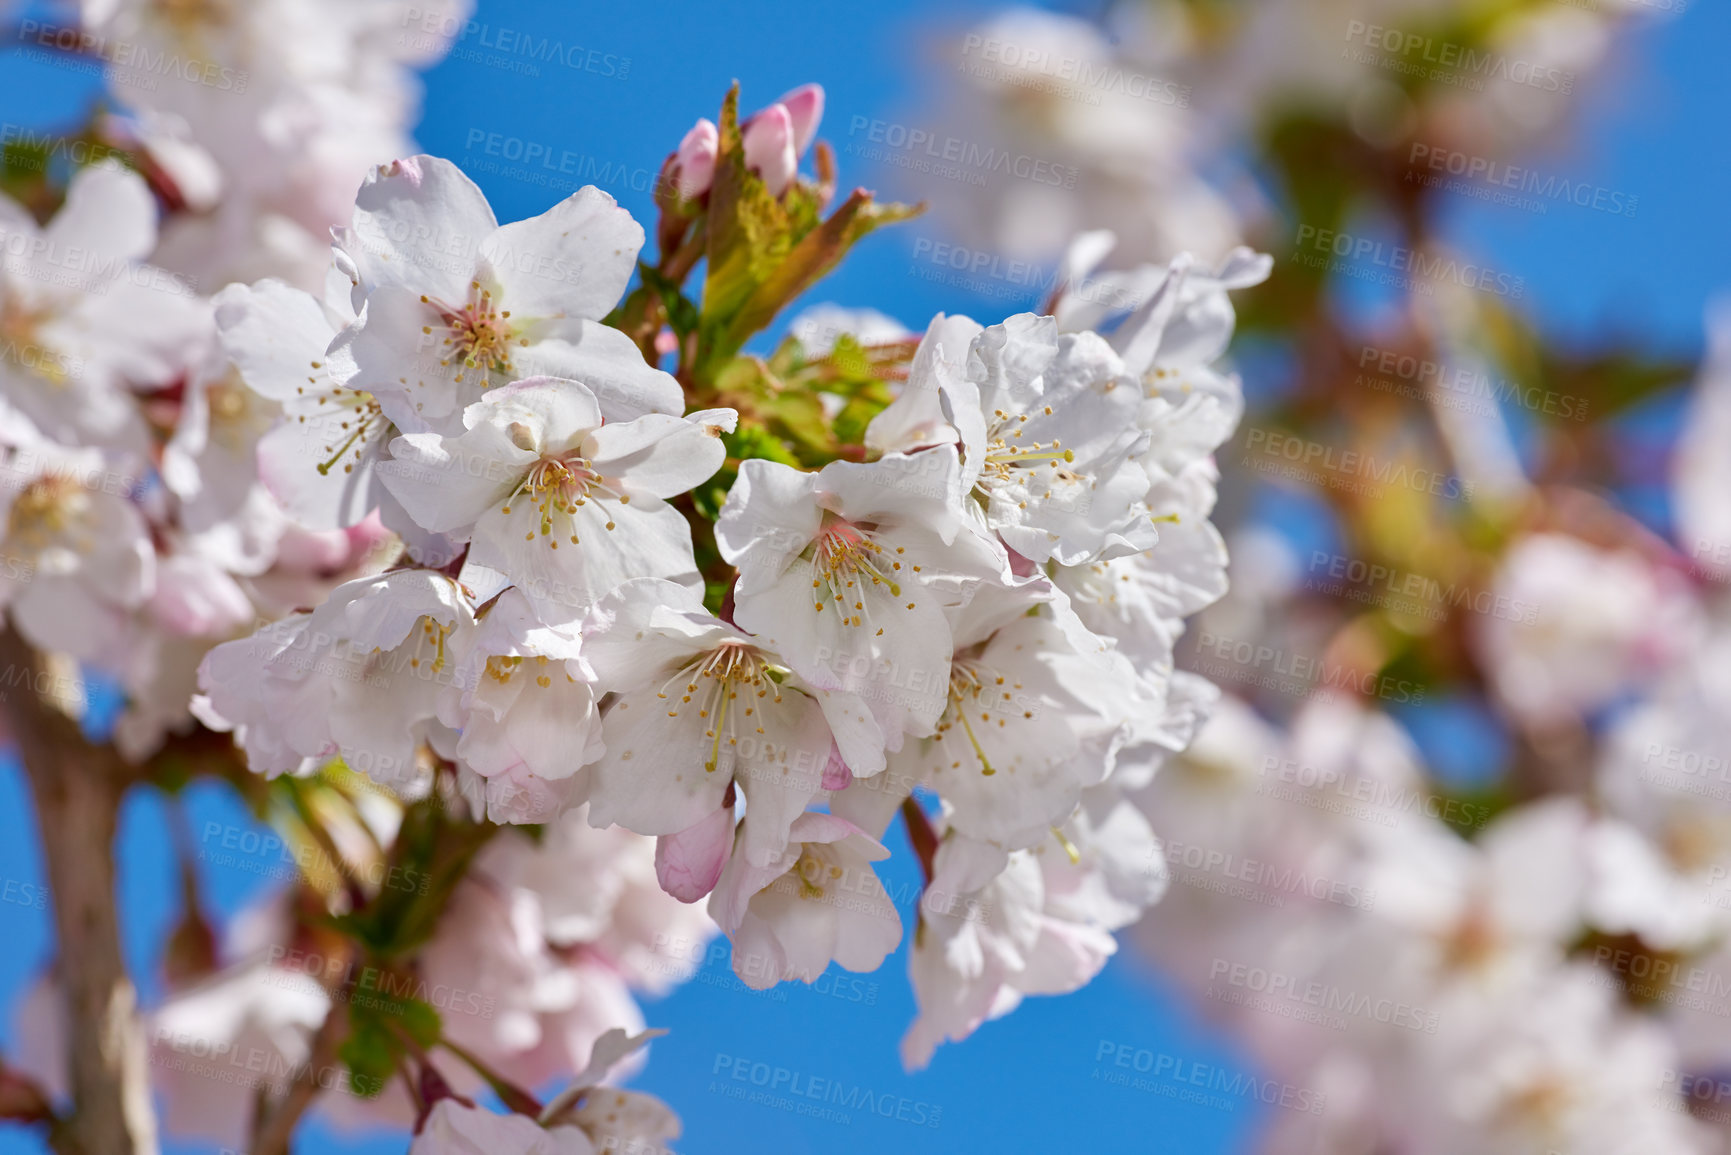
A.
pixel 456 303
pixel 82 320
pixel 1035 711
pixel 76 556
pixel 525 704
pixel 816 902
pixel 256 1016
pixel 979 928
pixel 585 1118
pixel 359 677
pixel 1122 159
pixel 611 1118
pixel 538 468
pixel 455 1129
pixel 694 161
pixel 1581 625
pixel 701 710
pixel 774 138
pixel 319 460
pixel 848 573
pixel 550 939
pixel 1047 427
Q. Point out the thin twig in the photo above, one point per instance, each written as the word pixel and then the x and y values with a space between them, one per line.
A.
pixel 273 1130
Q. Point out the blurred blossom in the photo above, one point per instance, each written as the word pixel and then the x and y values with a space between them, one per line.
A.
pixel 1700 469
pixel 1125 152
pixel 557 635
pixel 269 136
pixel 1602 622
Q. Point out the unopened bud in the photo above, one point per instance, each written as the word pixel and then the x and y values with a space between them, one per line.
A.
pixel 695 160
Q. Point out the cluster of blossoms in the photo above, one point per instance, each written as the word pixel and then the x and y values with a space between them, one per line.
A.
pixel 255 122
pixel 1420 989
pixel 1138 122
pixel 552 627
pixel 979 604
pixel 181 463
pixel 532 645
pixel 533 969
pixel 1427 966
pixel 1556 979
pixel 138 530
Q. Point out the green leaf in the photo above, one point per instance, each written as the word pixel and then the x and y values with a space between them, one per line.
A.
pixel 849 359
pixel 751 440
pixel 763 251
pixel 850 424
pixel 806 263
pixel 749 231
pixel 371 1053
pixel 421 1021
pixel 681 313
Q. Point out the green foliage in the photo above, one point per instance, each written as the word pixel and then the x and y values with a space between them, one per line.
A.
pixel 429 857
pixel 764 251
pixel 384 1029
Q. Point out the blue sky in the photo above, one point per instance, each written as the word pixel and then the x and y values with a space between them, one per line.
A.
pixel 1028 1082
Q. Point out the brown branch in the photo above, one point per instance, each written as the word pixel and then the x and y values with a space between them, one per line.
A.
pixel 78 787
pixel 274 1129
pixel 921 834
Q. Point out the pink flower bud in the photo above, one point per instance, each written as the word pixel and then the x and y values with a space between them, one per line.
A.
pixel 687 864
pixel 836 774
pixel 694 163
pixel 769 151
pixel 805 108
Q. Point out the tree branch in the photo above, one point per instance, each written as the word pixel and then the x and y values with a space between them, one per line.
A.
pixel 77 788
pixel 276 1127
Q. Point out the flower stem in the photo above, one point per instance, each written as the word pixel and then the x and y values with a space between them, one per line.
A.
pixel 509 1093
